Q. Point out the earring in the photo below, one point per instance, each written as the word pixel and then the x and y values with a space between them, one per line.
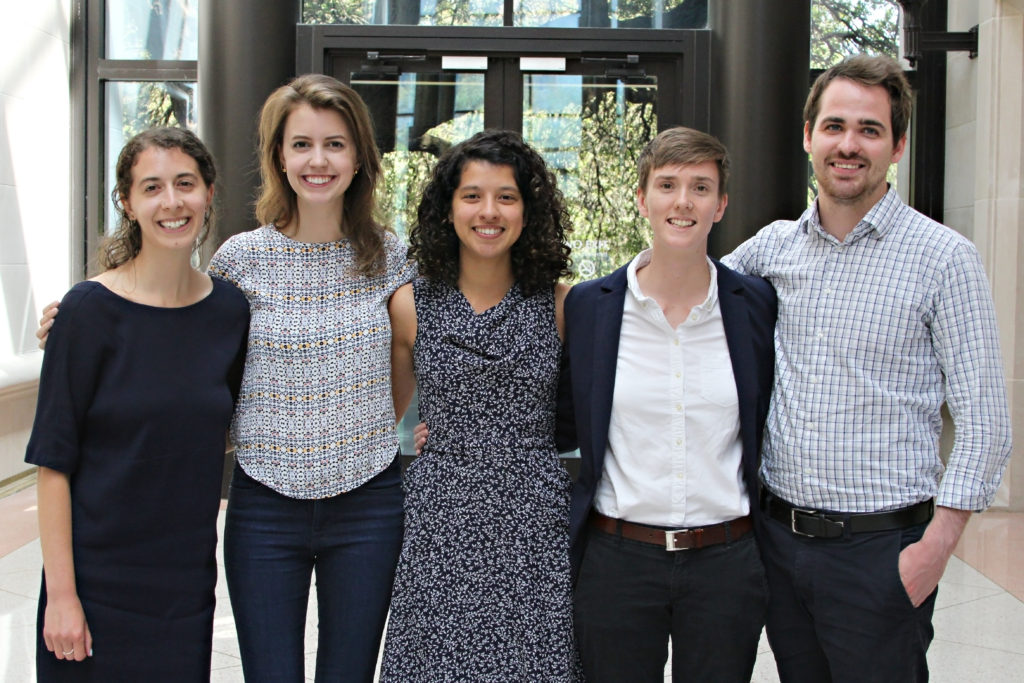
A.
pixel 284 170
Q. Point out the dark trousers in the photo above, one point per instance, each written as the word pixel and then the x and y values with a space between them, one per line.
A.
pixel 838 610
pixel 631 597
pixel 272 546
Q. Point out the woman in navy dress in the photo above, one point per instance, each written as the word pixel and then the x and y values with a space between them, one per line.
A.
pixel 482 591
pixel 138 384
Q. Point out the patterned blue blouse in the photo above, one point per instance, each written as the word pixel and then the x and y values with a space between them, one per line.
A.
pixel 315 416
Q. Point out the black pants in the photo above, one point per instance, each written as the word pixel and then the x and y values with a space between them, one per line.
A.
pixel 838 610
pixel 631 597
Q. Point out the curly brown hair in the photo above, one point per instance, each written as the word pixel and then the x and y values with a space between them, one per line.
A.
pixel 277 202
pixel 125 242
pixel 539 257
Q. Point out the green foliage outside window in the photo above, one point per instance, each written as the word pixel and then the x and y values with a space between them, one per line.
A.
pixel 842 28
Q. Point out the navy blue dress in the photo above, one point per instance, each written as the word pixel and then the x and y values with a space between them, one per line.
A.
pixel 482 591
pixel 134 404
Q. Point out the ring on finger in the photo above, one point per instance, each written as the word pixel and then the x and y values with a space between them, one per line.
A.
pixel 68 652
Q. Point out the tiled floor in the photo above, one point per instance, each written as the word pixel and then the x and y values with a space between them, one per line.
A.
pixel 979 617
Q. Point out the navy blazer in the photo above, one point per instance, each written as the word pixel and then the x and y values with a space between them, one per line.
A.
pixel 593 320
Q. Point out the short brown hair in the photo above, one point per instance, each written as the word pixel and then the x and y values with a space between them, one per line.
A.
pixel 277 202
pixel 869 71
pixel 681 146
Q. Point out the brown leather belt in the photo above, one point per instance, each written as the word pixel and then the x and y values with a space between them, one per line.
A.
pixel 674 539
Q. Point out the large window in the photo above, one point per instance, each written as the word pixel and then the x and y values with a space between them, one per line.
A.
pixel 140 58
pixel 533 13
pixel 840 28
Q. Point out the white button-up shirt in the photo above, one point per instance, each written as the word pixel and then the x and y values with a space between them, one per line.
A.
pixel 674 452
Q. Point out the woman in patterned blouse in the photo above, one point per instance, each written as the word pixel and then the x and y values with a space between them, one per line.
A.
pixel 316 485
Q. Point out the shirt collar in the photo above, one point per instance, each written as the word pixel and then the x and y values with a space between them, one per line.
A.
pixel 701 311
pixel 877 222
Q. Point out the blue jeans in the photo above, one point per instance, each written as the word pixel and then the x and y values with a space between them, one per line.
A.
pixel 273 544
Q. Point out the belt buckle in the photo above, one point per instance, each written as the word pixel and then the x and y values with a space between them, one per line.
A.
pixel 670 539
pixel 814 514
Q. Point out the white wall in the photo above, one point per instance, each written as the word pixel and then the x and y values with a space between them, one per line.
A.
pixel 35 172
pixel 984 194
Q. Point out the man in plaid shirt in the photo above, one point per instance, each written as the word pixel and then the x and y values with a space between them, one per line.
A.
pixel 884 315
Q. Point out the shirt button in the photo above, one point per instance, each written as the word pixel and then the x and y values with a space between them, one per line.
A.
pixel 679 475
pixel 828 290
pixel 821 335
pixel 679 407
pixel 814 380
pixel 679 442
pixel 676 342
pixel 810 425
pixel 679 374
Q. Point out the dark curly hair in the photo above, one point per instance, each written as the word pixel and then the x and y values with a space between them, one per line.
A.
pixel 539 257
pixel 126 241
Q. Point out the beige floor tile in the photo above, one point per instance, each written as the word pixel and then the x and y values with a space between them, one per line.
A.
pixel 957 663
pixel 227 675
pixel 995 622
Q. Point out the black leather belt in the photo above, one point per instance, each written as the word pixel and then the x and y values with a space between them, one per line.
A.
pixel 818 524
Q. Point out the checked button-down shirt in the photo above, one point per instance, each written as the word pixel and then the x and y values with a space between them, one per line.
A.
pixel 874 334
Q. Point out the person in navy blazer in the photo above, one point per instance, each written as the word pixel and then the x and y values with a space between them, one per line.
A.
pixel 668 417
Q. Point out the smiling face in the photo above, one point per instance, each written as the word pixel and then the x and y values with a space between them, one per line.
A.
pixel 318 155
pixel 487 211
pixel 851 144
pixel 168 198
pixel 682 203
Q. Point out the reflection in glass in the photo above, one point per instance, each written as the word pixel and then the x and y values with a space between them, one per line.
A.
pixel 414 12
pixel 548 13
pixel 430 113
pixel 132 107
pixel 611 13
pixel 152 29
pixel 590 130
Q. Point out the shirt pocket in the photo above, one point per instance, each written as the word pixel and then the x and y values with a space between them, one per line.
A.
pixel 717 384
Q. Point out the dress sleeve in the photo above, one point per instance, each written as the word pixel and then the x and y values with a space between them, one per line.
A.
pixel 72 366
pixel 237 370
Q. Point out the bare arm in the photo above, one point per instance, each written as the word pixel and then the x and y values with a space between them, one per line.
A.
pixel 561 289
pixel 65 630
pixel 402 309
pixel 922 564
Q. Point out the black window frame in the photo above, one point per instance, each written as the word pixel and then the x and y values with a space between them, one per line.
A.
pixel 90 72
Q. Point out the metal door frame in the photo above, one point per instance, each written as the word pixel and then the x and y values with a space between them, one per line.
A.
pixel 684 52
